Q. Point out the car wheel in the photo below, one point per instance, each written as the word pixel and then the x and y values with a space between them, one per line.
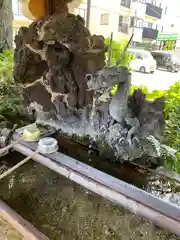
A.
pixel 142 69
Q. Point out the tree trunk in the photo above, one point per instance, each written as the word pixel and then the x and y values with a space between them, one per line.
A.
pixel 6 18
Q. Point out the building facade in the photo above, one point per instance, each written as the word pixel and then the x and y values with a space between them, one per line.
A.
pixel 170 22
pixel 122 17
pixel 146 14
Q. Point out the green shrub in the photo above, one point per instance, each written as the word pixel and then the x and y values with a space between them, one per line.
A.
pixel 11 109
pixel 172 117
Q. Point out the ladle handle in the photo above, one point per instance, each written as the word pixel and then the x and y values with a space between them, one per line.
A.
pixel 25 160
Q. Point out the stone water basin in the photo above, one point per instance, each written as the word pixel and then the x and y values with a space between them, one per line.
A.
pixel 63 210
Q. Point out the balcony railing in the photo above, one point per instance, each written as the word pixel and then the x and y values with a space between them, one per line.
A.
pixel 149 33
pixel 153 11
pixel 123 27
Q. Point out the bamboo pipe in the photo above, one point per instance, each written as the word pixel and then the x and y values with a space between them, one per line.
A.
pixel 9 171
pixel 138 208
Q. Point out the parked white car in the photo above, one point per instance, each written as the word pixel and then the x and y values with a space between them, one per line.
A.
pixel 143 61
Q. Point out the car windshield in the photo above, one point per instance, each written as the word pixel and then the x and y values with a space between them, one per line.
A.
pixel 143 54
pixel 146 55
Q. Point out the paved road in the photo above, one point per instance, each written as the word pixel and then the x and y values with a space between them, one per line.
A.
pixel 160 80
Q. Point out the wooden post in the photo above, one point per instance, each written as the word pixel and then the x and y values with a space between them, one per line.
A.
pixel 21 225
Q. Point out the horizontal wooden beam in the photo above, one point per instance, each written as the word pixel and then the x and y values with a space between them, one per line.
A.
pixel 21 225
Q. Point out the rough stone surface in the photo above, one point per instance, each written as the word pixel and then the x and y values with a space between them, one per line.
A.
pixel 61 68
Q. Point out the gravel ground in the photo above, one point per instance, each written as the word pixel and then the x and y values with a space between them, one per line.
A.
pixel 63 210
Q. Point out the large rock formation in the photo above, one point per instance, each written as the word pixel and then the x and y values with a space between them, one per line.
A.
pixel 61 69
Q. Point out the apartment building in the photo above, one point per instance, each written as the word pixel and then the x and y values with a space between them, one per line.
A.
pixel 122 17
pixel 146 14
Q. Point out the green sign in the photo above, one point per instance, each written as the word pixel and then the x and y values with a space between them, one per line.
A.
pixel 166 37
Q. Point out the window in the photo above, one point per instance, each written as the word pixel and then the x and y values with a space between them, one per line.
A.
pixel 139 23
pixel 120 20
pixel 132 21
pixel 136 22
pixel 126 3
pixel 82 12
pixel 150 25
pixel 122 24
pixel 145 24
pixel 105 19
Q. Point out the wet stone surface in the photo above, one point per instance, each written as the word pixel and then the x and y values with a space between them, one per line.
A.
pixel 63 210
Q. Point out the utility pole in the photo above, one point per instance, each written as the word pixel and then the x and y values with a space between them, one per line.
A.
pixel 88 13
pixel 133 30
